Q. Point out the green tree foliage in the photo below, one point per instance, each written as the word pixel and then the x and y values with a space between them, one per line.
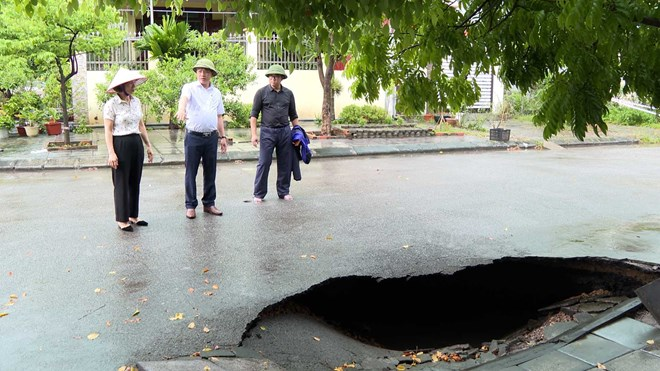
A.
pixel 585 48
pixel 46 43
pixel 160 93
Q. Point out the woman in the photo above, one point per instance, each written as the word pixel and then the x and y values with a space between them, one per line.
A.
pixel 124 133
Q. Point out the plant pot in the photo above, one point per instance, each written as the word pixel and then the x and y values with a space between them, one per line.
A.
pixel 54 128
pixel 20 129
pixel 31 131
pixel 500 135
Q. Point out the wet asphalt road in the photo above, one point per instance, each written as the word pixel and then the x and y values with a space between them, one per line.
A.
pixel 74 273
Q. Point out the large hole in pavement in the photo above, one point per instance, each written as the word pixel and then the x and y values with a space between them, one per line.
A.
pixel 471 306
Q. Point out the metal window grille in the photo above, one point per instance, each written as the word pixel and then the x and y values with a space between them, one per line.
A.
pixel 270 51
pixel 125 55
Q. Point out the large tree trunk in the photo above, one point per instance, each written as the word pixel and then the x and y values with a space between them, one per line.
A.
pixel 328 107
pixel 73 62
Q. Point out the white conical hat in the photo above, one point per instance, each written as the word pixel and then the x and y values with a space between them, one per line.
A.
pixel 123 76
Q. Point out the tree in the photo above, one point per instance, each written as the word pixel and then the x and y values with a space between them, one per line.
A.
pixel 588 50
pixel 49 39
pixel 585 48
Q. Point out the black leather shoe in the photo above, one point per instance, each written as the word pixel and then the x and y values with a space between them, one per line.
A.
pixel 141 223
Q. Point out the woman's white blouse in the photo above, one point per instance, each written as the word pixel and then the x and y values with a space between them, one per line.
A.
pixel 125 115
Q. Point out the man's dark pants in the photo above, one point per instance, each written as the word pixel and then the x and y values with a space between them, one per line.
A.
pixel 202 148
pixel 278 139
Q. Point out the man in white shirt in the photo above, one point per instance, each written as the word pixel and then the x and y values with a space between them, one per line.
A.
pixel 201 107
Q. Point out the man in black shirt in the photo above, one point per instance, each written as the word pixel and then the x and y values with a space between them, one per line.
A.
pixel 277 106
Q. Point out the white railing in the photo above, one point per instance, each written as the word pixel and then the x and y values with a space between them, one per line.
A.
pixel 635 106
pixel 125 55
pixel 270 51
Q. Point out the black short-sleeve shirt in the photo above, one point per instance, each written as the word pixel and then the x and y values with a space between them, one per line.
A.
pixel 277 108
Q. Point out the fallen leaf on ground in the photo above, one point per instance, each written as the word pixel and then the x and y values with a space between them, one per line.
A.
pixel 24 294
pixel 112 273
pixel 191 325
pixel 97 290
pixel 176 316
pixel 191 290
pixel 650 342
pixel 206 281
pixel 316 338
pixel 263 328
pixel 208 293
pixel 136 248
pixel 303 256
pixel 207 349
pixel 143 299
pixel 406 246
pixel 601 366
pixel 2 314
pixel 13 296
pixel 207 368
pixel 107 324
pixel 313 257
pixel 93 335
pixel 215 287
pixel 137 311
pixel 400 367
pixel 206 330
pixel 134 320
pixel 205 270
pixel 328 237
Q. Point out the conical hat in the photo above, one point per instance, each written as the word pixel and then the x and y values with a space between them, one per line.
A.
pixel 123 76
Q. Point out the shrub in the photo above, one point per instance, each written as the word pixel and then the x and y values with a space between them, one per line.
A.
pixel 362 115
pixel 238 114
pixel 621 115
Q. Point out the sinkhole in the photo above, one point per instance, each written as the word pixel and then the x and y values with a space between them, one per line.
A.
pixel 471 306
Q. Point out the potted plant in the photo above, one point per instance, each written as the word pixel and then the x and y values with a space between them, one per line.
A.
pixel 53 127
pixel 34 118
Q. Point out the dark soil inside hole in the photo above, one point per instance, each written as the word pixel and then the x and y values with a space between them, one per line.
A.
pixel 473 306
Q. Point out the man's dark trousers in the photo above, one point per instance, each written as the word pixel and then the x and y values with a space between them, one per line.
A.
pixel 198 148
pixel 278 139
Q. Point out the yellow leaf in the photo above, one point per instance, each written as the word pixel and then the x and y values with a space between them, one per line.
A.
pixel 406 246
pixel 316 338
pixel 205 270
pixel 93 335
pixel 2 314
pixel 97 290
pixel 123 368
pixel 400 367
pixel 207 368
pixel 136 248
pixel 207 349
pixel 328 237
pixel 13 296
pixel 206 330
pixel 137 311
pixel 215 287
pixel 191 325
pixel 177 316
pixel 263 328
pixel 650 342
pixel 601 366
pixel 10 303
